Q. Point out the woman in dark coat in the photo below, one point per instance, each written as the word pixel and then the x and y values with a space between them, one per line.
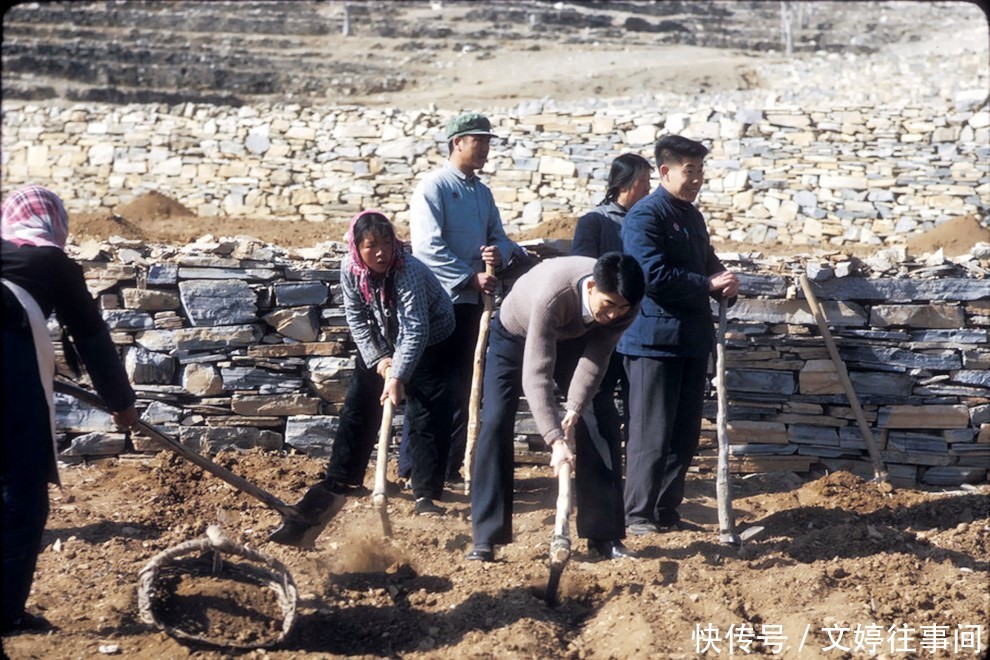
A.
pixel 39 278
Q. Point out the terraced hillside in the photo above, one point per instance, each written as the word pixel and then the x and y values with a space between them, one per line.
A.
pixel 241 52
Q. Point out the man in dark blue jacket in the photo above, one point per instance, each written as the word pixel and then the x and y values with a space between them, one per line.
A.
pixel 667 347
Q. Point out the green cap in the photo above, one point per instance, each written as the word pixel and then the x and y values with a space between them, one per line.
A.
pixel 470 123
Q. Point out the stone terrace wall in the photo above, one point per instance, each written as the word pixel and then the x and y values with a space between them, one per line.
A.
pixel 789 174
pixel 239 344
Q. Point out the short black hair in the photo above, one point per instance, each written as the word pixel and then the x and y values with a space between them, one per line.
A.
pixel 624 172
pixel 673 149
pixel 620 273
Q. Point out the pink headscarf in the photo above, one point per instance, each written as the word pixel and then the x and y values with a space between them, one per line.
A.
pixel 34 216
pixel 360 270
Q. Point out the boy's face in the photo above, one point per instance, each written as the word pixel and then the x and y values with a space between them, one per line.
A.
pixel 606 307
pixel 683 180
pixel 472 150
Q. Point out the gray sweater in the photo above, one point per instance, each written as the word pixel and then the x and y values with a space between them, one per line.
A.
pixel 545 307
pixel 422 316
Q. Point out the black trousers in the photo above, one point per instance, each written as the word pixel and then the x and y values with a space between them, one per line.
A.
pixel 665 401
pixel 598 486
pixel 28 463
pixel 460 361
pixel 606 413
pixel 428 415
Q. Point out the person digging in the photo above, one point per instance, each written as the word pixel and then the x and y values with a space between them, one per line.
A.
pixel 559 324
pixel 401 320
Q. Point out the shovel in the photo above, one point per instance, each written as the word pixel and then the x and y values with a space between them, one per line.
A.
pixel 477 375
pixel 301 523
pixel 723 486
pixel 560 547
pixel 378 498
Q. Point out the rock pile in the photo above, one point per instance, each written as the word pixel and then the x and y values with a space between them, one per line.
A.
pixel 231 343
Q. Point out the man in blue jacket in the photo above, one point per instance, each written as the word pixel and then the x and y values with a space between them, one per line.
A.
pixel 667 347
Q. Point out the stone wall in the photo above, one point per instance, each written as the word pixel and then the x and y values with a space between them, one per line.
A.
pixel 235 343
pixel 778 174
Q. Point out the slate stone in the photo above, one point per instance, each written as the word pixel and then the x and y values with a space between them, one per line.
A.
pixel 957 336
pixel 874 356
pixel 251 274
pixel 211 303
pixel 299 323
pixel 201 339
pixel 760 380
pixel 980 377
pixel 163 274
pixel 145 366
pixel 73 416
pixel 95 444
pixel 953 475
pixel 127 319
pixel 214 439
pixel 159 412
pixel 762 285
pixel 900 290
pixel 297 294
pixel 283 405
pixel 253 378
pixel 813 435
pixel 311 434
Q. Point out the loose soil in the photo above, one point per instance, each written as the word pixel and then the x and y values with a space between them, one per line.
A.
pixel 835 553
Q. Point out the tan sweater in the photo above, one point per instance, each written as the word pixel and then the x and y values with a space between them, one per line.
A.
pixel 544 306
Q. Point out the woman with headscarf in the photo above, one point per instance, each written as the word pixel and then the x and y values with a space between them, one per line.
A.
pixel 38 279
pixel 401 320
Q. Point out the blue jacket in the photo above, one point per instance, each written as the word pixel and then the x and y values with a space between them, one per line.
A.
pixel 669 239
pixel 450 217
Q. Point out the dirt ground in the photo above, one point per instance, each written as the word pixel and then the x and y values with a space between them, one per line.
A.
pixel 837 563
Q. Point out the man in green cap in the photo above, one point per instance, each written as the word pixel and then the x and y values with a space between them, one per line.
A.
pixel 456 230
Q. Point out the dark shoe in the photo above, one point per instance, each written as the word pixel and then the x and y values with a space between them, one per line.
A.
pixel 610 549
pixel 427 507
pixel 481 552
pixel 643 528
pixel 455 484
pixel 28 623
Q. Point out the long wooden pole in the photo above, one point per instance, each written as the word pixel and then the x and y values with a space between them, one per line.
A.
pixel 723 485
pixel 477 377
pixel 378 497
pixel 879 471
pixel 560 545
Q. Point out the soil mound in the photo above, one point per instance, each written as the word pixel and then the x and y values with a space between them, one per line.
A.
pixel 954 237
pixel 153 204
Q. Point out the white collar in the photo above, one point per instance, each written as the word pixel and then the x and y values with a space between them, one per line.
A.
pixel 586 314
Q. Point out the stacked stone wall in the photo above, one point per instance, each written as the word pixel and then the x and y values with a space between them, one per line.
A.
pixel 779 174
pixel 234 343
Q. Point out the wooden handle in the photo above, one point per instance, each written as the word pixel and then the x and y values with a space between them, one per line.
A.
pixel 384 436
pixel 864 428
pixel 562 522
pixel 723 484
pixel 477 378
pixel 241 484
